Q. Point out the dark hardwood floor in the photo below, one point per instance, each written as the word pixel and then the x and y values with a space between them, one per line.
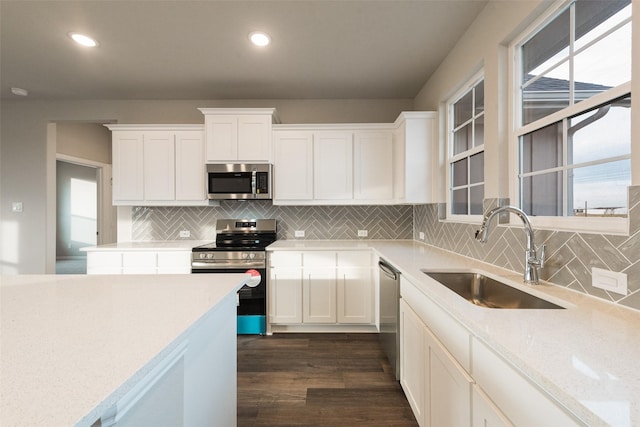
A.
pixel 317 380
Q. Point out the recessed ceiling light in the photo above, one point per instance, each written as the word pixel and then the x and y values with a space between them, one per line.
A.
pixel 83 40
pixel 259 38
pixel 19 91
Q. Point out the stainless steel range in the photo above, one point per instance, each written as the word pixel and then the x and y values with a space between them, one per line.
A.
pixel 240 248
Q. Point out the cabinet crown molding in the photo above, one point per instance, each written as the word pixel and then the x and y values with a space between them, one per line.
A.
pixel 148 127
pixel 235 111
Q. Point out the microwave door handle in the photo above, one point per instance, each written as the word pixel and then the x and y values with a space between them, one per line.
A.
pixel 254 182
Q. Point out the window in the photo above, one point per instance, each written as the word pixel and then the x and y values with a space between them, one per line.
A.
pixel 466 151
pixel 574 112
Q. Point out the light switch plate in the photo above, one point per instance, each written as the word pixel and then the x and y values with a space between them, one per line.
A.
pixel 299 233
pixel 16 207
pixel 611 281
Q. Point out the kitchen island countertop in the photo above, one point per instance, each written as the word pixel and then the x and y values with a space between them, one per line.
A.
pixel 71 346
pixel 585 356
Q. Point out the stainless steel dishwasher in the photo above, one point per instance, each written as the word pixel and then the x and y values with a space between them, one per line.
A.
pixel 389 293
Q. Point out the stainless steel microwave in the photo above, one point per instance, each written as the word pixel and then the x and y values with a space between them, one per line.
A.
pixel 234 181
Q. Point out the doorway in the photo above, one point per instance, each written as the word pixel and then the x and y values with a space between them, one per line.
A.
pixel 76 215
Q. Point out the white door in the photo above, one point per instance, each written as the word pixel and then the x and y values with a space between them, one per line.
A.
pixel 128 164
pixel 293 169
pixel 221 133
pixel 285 295
pixel 159 166
pixel 373 165
pixel 190 166
pixel 254 138
pixel 413 361
pixel 333 166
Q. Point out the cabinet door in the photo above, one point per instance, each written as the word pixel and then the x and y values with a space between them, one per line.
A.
pixel 139 262
pixel 128 163
pixel 373 166
pixel 107 262
pixel 159 166
pixel 333 166
pixel 190 166
pixel 355 287
pixel 254 138
pixel 222 137
pixel 293 169
pixel 413 361
pixel 285 295
pixel 485 413
pixel 319 295
pixel 449 393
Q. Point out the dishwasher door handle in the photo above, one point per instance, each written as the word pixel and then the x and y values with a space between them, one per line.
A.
pixel 388 271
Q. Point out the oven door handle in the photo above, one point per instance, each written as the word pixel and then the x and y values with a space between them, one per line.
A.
pixel 227 265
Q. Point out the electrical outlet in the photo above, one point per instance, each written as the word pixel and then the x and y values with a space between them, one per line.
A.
pixel 363 233
pixel 421 234
pixel 299 233
pixel 609 280
pixel 185 233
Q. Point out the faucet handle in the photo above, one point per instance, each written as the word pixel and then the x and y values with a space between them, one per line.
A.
pixel 541 257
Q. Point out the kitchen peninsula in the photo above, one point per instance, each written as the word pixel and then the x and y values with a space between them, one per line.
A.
pixel 119 349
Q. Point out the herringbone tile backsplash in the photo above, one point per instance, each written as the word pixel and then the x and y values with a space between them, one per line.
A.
pixel 318 222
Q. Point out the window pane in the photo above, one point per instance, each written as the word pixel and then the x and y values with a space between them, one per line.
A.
pixel 479 104
pixel 542 149
pixel 542 194
pixel 476 194
pixel 549 46
pixel 548 94
pixel 601 188
pixel 596 17
pixel 459 202
pixel 478 131
pixel 459 173
pixel 476 166
pixel 462 139
pixel 462 110
pixel 601 133
pixel 593 74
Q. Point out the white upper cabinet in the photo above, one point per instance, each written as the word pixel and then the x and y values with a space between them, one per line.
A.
pixel 414 163
pixel 238 134
pixel 356 164
pixel 333 165
pixel 293 165
pixel 373 165
pixel 158 165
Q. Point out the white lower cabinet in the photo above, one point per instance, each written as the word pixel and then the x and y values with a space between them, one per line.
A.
pixel 320 288
pixel 522 402
pixel 485 412
pixel 451 378
pixel 437 387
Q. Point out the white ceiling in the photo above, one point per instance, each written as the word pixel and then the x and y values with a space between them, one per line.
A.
pixel 183 49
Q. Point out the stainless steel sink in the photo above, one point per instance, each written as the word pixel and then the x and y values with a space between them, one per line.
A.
pixel 487 292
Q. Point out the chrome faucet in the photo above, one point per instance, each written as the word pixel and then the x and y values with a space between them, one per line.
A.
pixel 531 261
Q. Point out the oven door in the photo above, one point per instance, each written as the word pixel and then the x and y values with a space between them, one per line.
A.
pixel 252 298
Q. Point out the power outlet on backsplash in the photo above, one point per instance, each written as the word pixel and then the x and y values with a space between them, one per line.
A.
pixel 299 233
pixel 185 233
pixel 421 235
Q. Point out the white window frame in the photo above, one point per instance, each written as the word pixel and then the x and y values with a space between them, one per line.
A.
pixel 568 223
pixel 464 89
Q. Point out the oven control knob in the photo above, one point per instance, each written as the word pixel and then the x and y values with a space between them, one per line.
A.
pixel 210 256
pixel 252 255
pixel 202 256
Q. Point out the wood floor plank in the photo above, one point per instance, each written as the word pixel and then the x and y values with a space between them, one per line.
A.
pixel 318 380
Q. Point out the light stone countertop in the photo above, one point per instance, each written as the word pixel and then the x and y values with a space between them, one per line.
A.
pixel 156 245
pixel 72 345
pixel 585 356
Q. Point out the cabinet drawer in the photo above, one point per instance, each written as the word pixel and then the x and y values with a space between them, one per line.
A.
pixel 141 259
pixel 521 401
pixel 285 259
pixel 355 259
pixel 172 260
pixel 319 259
pixel 104 259
pixel 453 335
